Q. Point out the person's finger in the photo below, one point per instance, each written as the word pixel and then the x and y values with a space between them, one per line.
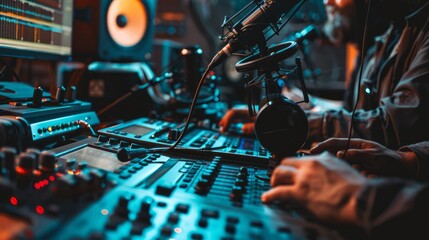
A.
pixel 279 193
pixel 335 144
pixel 283 175
pixel 300 161
pixel 248 128
pixel 294 162
pixel 356 156
pixel 231 116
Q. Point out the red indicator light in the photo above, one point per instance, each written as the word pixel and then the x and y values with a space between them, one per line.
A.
pixel 45 182
pixel 51 178
pixel 13 201
pixel 40 209
pixel 37 186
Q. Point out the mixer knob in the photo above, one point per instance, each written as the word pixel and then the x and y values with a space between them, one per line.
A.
pixel 146 204
pixel 48 161
pixel 144 214
pixel 26 163
pixel 124 144
pixel 237 193
pixel 98 178
pixel 244 171
pixel 173 134
pixel 207 175
pixel 240 183
pixel 2 164
pixel 36 153
pixel 103 138
pixel 202 186
pixel 37 97
pixel 242 176
pixel 9 158
pixel 72 94
pixel 113 141
pixel 122 207
pixel 60 94
pixel 173 218
pixel 64 186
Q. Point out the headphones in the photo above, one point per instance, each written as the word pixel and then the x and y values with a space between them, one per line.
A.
pixel 15 132
pixel 281 126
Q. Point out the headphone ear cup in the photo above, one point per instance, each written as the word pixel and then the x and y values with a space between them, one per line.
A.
pixel 281 126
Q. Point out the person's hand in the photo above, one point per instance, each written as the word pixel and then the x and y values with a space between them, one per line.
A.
pixel 323 184
pixel 239 117
pixel 371 157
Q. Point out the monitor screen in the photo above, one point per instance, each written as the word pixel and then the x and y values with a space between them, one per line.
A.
pixel 39 29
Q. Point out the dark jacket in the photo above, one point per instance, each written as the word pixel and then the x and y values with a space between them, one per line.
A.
pixel 394 98
pixel 394 209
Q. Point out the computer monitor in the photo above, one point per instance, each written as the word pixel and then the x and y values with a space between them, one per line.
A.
pixel 38 29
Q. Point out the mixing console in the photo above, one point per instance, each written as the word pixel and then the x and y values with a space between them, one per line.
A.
pixel 129 213
pixel 82 191
pixel 170 197
pixel 151 132
pixel 38 192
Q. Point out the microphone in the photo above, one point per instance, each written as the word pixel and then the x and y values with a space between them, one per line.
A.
pixel 126 154
pixel 248 32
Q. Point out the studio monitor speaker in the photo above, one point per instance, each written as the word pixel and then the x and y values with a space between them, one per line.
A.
pixel 113 30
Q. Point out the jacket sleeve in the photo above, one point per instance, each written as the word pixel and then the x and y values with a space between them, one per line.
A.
pixel 400 118
pixel 422 152
pixel 394 209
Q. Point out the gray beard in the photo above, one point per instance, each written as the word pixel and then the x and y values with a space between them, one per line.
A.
pixel 336 28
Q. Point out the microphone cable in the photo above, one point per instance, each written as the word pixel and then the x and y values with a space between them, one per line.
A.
pixel 126 154
pixel 361 65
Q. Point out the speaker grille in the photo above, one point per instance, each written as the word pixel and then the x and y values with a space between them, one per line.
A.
pixel 127 21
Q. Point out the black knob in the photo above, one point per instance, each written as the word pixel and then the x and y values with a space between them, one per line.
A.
pixel 240 182
pixel 207 175
pixel 124 144
pixel 202 186
pixel 122 207
pixel 72 94
pixel 103 139
pixel 243 170
pixel 146 204
pixel 36 154
pixel 61 94
pixel 173 134
pixel 48 161
pixel 26 163
pixel 2 164
pixel 37 97
pixel 237 193
pixel 9 158
pixel 98 178
pixel 144 215
pixel 242 176
pixel 113 141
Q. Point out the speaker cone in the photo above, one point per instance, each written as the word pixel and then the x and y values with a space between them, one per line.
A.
pixel 127 21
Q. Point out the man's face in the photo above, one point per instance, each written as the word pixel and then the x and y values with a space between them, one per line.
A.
pixel 341 20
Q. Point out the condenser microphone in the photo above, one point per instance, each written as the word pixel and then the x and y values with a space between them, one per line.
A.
pixel 247 32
